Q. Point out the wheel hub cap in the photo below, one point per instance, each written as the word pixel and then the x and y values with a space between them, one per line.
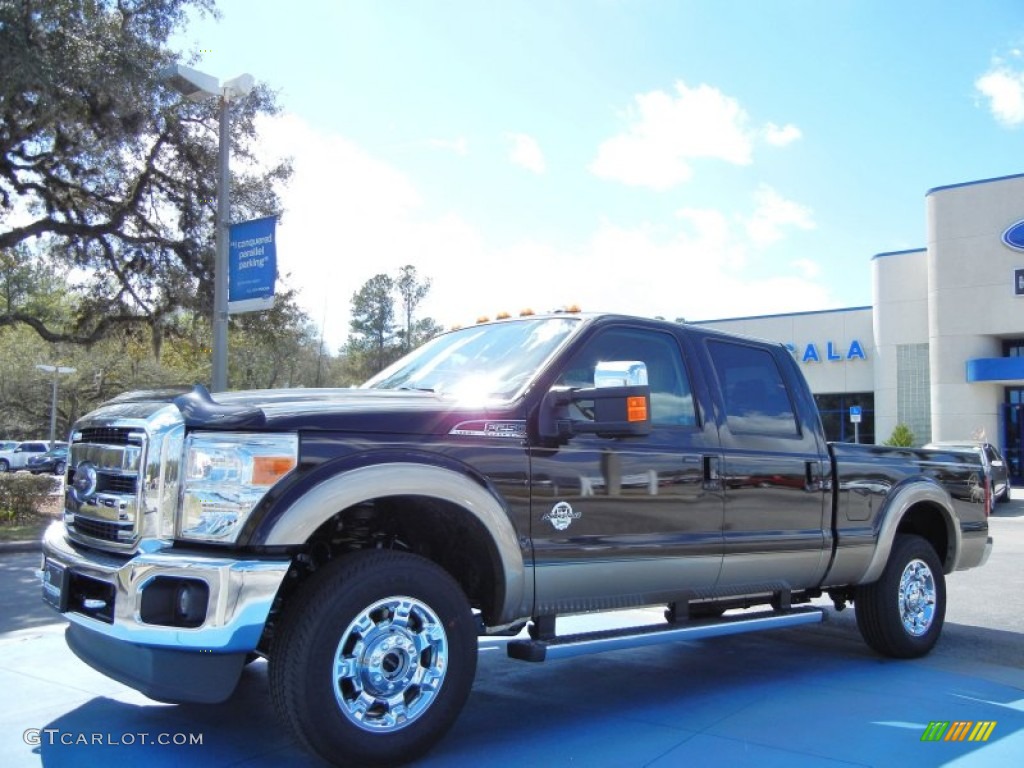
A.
pixel 390 664
pixel 917 597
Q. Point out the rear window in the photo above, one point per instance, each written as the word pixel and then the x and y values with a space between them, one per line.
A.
pixel 756 398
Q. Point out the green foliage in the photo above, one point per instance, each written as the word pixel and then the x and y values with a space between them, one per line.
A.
pixel 901 437
pixel 276 348
pixel 376 340
pixel 22 495
pixel 109 174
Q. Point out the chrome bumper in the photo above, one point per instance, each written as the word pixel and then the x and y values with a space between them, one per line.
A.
pixel 241 593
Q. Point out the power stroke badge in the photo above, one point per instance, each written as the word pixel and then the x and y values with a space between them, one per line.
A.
pixel 561 515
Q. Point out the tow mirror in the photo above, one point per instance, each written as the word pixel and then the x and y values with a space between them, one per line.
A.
pixel 618 405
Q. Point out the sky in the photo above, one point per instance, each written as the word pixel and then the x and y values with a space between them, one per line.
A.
pixel 694 159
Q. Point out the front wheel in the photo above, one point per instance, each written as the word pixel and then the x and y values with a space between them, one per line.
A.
pixel 901 614
pixel 374 658
pixel 5 466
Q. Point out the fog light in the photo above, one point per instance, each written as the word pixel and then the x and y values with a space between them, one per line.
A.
pixel 174 602
pixel 191 604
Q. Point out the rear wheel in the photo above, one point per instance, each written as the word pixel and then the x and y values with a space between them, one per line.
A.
pixel 4 465
pixel 901 614
pixel 375 658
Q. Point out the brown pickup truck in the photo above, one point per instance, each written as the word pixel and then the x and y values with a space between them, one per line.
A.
pixel 499 477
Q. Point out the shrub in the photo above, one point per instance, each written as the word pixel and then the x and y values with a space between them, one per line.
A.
pixel 901 437
pixel 22 495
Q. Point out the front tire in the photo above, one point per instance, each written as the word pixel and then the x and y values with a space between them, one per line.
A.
pixel 374 658
pixel 901 614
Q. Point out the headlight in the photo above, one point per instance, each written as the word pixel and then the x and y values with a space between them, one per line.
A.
pixel 226 474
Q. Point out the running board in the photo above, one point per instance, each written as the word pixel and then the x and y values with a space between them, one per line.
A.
pixel 567 646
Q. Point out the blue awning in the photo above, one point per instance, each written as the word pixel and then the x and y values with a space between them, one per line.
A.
pixel 995 369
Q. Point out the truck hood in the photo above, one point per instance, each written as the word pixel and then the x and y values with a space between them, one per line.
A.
pixel 363 410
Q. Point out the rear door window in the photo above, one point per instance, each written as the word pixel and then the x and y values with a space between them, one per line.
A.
pixel 755 394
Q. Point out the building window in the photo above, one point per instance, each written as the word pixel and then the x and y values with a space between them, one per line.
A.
pixel 1013 436
pixel 913 390
pixel 835 417
pixel 1013 348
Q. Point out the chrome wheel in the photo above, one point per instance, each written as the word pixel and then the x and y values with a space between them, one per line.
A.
pixel 901 615
pixel 390 664
pixel 917 597
pixel 374 658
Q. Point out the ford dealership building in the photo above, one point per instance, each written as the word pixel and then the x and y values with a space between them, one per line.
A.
pixel 941 348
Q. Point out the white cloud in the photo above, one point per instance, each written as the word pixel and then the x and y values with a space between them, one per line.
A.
pixel 525 152
pixel 773 214
pixel 458 145
pixel 807 267
pixel 344 218
pixel 349 215
pixel 1004 89
pixel 780 136
pixel 665 131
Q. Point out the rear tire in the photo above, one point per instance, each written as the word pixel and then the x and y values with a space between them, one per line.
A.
pixel 374 659
pixel 901 614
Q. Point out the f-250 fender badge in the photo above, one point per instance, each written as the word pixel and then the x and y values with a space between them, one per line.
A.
pixel 561 515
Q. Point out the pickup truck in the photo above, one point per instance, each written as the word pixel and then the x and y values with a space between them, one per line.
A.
pixel 495 479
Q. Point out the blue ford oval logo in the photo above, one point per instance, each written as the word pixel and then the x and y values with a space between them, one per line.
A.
pixel 84 484
pixel 1014 236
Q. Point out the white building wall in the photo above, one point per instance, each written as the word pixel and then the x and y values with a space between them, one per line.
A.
pixel 971 301
pixel 900 286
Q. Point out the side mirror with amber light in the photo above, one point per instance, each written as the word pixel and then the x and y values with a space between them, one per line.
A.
pixel 619 405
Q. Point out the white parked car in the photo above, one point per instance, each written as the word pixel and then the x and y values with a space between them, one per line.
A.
pixel 18 457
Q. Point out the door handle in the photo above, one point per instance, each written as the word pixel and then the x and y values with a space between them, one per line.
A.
pixel 712 474
pixel 812 476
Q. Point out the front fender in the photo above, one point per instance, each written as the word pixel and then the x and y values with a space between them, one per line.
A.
pixel 906 496
pixel 307 513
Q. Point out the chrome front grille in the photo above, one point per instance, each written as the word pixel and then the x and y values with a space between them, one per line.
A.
pixel 122 482
pixel 111 436
pixel 102 500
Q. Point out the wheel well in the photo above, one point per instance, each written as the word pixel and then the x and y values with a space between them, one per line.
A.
pixel 929 522
pixel 438 530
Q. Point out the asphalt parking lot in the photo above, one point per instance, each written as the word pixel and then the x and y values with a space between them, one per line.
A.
pixel 798 697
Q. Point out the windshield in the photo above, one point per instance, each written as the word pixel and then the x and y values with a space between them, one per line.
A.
pixel 492 361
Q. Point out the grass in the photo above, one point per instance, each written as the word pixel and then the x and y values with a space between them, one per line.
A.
pixel 26 531
pixel 32 527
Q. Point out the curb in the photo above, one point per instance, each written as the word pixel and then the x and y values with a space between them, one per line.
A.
pixel 16 547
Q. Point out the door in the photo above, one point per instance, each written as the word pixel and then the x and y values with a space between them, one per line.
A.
pixel 629 521
pixel 777 525
pixel 1013 425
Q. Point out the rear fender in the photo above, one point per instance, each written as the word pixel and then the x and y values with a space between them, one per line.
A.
pixel 897 505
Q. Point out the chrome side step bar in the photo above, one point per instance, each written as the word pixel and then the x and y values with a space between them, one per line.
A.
pixel 567 646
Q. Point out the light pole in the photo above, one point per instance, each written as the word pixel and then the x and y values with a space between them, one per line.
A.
pixel 56 370
pixel 199 86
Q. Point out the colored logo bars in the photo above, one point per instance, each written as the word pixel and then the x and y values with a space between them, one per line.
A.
pixel 964 730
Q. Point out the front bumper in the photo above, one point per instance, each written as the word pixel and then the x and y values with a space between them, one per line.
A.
pixel 116 632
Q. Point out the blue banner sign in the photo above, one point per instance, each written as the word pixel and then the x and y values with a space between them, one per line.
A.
pixel 252 265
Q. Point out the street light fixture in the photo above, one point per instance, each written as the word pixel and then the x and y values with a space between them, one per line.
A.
pixel 56 370
pixel 199 86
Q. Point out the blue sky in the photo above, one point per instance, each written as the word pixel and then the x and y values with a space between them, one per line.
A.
pixel 697 159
